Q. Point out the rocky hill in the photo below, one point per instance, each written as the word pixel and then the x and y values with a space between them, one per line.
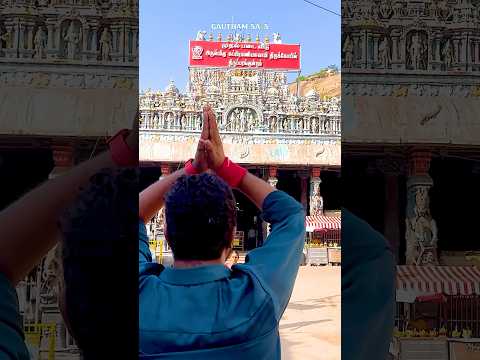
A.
pixel 326 85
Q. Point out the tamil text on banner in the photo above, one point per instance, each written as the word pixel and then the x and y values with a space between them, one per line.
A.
pixel 244 55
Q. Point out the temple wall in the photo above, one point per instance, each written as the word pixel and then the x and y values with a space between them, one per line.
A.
pixel 328 154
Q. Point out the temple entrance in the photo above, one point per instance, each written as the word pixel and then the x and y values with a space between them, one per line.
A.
pixel 21 171
pixel 454 199
pixel 362 187
pixel 331 190
pixel 290 182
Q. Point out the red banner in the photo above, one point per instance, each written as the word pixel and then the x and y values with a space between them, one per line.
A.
pixel 244 55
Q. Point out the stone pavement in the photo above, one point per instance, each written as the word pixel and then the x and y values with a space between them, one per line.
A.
pixel 310 327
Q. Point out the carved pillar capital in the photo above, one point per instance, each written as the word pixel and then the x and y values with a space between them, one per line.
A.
pixel 419 162
pixel 315 173
pixel 165 169
pixel 272 171
pixel 63 158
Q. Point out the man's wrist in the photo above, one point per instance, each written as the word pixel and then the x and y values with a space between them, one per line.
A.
pixel 120 151
pixel 231 172
pixel 190 169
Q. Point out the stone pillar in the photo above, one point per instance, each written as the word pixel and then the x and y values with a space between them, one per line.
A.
pixel 304 185
pixel 456 51
pixel 476 55
pixel 22 39
pixel 421 229
pixel 369 45
pixel 272 180
pixel 316 201
pixel 403 53
pixel 121 44
pixel 272 176
pixel 114 52
pixel 83 32
pixel 63 159
pixel 10 48
pixel 165 168
pixel 364 48
pixel 50 45
pixel 134 44
pixel 375 49
pixel 391 168
pixel 30 37
pixel 94 43
pixel 462 47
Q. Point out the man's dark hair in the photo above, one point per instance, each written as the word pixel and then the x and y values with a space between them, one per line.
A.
pixel 200 215
pixel 100 268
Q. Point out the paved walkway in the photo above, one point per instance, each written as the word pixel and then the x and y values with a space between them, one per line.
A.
pixel 310 327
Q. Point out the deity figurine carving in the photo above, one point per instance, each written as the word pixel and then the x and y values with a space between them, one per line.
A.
pixel 50 277
pixel 276 38
pixel 242 118
pixel 201 35
pixel 447 53
pixel 72 38
pixel 384 53
pixel 39 43
pixel 348 50
pixel 105 44
pixel 4 36
pixel 421 228
pixel 416 51
pixel 316 200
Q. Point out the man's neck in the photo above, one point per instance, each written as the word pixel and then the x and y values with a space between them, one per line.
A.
pixel 183 264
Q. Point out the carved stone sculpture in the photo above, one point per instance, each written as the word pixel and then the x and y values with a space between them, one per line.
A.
pixel 4 36
pixel 50 277
pixel 421 229
pixel 384 53
pixel 39 43
pixel 71 38
pixel 276 38
pixel 105 44
pixel 201 35
pixel 448 54
pixel 348 51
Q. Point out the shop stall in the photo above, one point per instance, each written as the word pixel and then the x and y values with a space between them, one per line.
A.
pixel 323 240
pixel 437 313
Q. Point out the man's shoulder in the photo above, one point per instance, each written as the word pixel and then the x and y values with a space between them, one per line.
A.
pixel 360 239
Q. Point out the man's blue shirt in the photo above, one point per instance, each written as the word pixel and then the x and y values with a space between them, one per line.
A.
pixel 211 312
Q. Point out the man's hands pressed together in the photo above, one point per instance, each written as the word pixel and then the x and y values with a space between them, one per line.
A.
pixel 209 155
pixel 213 143
pixel 200 162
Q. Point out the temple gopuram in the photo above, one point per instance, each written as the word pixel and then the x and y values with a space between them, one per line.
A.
pixel 291 141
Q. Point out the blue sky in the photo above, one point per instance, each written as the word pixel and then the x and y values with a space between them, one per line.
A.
pixel 166 26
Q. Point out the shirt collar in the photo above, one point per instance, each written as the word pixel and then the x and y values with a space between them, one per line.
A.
pixel 195 275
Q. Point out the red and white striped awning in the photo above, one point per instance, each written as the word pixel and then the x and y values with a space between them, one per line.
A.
pixel 318 222
pixel 414 281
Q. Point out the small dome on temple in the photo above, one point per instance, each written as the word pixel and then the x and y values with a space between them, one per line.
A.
pixel 213 89
pixel 171 88
pixel 311 93
pixel 273 91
